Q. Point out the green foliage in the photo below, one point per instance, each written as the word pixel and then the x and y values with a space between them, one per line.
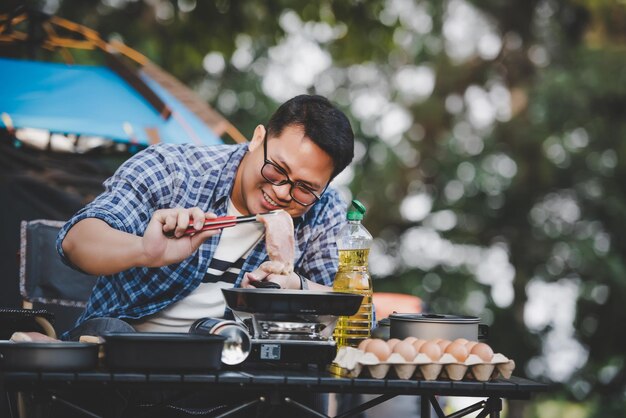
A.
pixel 540 186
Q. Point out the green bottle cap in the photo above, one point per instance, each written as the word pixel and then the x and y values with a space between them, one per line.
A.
pixel 356 215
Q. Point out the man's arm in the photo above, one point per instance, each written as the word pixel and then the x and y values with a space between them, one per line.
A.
pixel 98 249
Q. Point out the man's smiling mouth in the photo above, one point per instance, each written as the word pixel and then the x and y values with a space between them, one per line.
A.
pixel 269 200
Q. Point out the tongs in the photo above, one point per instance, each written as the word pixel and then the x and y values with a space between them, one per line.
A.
pixel 220 222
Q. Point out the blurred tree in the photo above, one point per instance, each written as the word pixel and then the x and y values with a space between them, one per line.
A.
pixel 488 148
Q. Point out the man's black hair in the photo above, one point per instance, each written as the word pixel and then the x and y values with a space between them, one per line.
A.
pixel 326 125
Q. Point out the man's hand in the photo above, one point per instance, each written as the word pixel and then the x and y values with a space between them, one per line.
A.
pixel 98 249
pixel 159 250
pixel 272 271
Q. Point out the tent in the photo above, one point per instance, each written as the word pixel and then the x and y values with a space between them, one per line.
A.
pixel 64 128
pixel 130 100
pixel 92 101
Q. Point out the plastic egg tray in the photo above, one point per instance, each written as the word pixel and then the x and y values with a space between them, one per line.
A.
pixel 357 363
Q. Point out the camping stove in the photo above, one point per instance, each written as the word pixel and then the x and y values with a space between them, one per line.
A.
pixel 291 338
pixel 290 326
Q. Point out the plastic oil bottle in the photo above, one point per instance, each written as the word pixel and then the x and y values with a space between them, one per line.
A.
pixel 354 242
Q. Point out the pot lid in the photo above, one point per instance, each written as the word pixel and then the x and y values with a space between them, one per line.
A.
pixel 436 318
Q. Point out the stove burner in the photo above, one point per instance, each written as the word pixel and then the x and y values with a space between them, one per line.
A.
pixel 291 330
pixel 290 339
pixel 288 326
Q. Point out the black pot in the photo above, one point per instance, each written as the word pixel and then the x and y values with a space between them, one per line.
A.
pixel 48 356
pixel 432 326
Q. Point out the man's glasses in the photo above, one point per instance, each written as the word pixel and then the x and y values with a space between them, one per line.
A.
pixel 275 174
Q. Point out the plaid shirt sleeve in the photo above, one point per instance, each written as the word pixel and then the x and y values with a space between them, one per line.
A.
pixel 143 183
pixel 161 176
pixel 319 258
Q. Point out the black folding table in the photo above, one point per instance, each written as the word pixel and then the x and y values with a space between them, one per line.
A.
pixel 278 386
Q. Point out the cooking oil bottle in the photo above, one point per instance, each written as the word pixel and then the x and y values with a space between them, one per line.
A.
pixel 354 244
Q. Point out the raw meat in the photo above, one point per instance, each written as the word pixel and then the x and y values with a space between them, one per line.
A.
pixel 32 337
pixel 279 242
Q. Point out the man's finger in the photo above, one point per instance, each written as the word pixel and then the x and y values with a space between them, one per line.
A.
pixel 198 217
pixel 182 222
pixel 247 279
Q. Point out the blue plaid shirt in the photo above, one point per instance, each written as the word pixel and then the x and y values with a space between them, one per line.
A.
pixel 168 176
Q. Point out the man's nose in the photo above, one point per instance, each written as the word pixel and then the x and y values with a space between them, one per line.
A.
pixel 283 192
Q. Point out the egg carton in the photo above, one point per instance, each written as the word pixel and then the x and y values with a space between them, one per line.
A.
pixel 356 362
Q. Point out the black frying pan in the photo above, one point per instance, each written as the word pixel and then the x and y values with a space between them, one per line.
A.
pixel 292 301
pixel 46 356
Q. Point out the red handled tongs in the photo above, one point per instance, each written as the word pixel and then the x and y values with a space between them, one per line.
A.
pixel 219 223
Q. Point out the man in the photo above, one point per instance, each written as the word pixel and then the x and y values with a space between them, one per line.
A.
pixel 156 283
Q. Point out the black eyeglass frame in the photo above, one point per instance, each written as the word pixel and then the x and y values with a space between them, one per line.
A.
pixel 287 180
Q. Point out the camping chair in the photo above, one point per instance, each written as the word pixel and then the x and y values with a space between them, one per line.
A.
pixel 52 292
pixel 45 281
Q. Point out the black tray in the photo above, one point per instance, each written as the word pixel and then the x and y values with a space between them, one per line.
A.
pixel 292 301
pixel 48 356
pixel 162 351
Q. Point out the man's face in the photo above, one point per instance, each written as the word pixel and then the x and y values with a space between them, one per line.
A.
pixel 303 162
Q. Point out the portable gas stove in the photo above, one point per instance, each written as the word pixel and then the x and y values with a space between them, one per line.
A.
pixel 284 338
pixel 291 327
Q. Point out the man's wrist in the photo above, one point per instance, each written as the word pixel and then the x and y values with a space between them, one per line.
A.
pixel 303 282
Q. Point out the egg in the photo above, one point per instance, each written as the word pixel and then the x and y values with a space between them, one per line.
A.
pixel 379 348
pixel 432 350
pixel 458 351
pixel 483 351
pixel 406 350
pixel 410 339
pixel 363 344
pixel 461 340
pixel 417 344
pixel 444 344
pixel 392 342
pixel 470 345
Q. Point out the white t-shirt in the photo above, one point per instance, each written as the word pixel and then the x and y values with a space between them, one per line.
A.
pixel 207 300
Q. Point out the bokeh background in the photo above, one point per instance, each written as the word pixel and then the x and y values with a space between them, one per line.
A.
pixel 490 151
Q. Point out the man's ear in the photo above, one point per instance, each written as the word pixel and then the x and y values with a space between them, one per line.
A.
pixel 257 138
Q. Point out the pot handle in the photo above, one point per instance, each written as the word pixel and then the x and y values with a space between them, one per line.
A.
pixel 483 332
